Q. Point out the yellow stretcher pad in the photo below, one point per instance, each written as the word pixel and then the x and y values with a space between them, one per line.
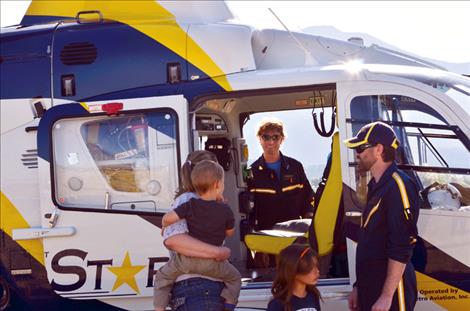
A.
pixel 282 235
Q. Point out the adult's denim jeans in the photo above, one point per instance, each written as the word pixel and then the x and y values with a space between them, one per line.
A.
pixel 197 294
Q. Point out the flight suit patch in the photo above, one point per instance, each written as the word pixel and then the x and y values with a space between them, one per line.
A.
pixel 289 177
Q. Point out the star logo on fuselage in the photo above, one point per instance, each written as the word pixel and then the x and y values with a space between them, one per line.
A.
pixel 125 274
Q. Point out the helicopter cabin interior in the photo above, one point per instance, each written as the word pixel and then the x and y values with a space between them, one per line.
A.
pixel 227 126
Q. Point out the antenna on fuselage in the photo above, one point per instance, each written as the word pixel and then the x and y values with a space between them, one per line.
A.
pixel 309 60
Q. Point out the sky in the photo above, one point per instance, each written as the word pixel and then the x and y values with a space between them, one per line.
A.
pixel 433 29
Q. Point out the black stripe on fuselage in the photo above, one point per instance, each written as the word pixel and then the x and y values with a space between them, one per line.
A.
pixel 33 291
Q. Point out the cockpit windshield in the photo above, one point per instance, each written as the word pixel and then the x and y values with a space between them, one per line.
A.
pixel 453 85
pixel 459 91
pixel 461 95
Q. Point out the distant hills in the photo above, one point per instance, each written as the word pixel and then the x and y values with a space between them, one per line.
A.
pixel 332 32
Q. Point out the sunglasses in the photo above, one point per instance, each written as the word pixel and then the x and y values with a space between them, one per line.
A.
pixel 361 148
pixel 267 137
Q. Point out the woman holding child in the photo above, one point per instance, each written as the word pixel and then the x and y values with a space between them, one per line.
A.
pixel 199 252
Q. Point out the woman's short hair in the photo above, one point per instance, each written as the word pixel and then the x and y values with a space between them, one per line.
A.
pixel 270 124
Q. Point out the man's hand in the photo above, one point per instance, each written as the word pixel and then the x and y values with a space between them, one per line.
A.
pixel 223 253
pixel 382 304
pixel 395 271
pixel 352 300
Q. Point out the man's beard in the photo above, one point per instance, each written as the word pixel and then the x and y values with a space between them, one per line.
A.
pixel 364 166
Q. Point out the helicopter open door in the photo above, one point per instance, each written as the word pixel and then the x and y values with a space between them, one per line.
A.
pixel 108 172
pixel 434 151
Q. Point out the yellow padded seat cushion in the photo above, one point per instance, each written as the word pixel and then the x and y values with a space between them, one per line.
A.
pixel 279 237
pixel 271 241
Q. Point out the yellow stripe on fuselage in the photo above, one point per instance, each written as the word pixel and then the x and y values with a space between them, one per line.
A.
pixel 84 105
pixel 11 219
pixel 148 17
pixel 442 294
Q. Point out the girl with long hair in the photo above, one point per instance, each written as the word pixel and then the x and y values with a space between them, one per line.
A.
pixel 294 286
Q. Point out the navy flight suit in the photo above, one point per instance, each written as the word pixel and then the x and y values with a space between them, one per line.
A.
pixel 388 231
pixel 279 200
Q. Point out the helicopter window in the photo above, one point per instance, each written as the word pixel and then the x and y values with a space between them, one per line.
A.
pixel 435 153
pixel 119 147
pixel 117 163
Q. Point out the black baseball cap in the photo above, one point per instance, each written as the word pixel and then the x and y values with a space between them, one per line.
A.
pixel 372 134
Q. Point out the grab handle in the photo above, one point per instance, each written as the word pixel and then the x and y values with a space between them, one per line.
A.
pixel 89 12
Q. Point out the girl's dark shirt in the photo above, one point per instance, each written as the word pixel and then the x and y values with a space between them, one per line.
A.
pixel 308 303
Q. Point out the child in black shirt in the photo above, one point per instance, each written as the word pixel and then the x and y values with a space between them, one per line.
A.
pixel 209 221
pixel 294 286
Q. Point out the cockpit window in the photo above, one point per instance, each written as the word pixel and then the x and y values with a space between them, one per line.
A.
pixel 119 147
pixel 461 95
pixel 117 163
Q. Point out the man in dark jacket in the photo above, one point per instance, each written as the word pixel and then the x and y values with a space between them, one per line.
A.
pixel 386 278
pixel 281 190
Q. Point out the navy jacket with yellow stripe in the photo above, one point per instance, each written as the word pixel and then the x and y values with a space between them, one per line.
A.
pixel 276 200
pixel 388 229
